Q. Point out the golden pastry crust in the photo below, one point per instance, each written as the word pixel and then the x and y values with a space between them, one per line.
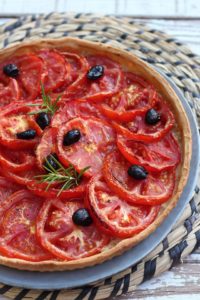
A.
pixel 131 63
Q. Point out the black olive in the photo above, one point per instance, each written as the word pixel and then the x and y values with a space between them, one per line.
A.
pixel 81 217
pixel 11 70
pixel 152 117
pixel 71 137
pixel 43 120
pixel 51 161
pixel 27 134
pixel 95 72
pixel 137 172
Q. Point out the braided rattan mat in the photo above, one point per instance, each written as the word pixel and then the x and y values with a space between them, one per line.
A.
pixel 178 63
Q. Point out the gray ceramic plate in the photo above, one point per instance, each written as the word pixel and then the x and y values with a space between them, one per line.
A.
pixel 71 279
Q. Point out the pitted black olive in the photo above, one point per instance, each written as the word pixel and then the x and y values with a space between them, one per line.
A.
pixel 71 137
pixel 43 120
pixel 26 135
pixel 82 217
pixel 152 117
pixel 95 72
pixel 137 172
pixel 11 70
pixel 51 161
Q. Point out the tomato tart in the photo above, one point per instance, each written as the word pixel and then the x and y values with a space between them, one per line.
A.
pixel 95 151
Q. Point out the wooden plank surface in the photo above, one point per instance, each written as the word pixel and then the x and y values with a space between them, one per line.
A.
pixel 26 6
pixel 160 8
pixel 187 31
pixel 180 18
pixel 182 281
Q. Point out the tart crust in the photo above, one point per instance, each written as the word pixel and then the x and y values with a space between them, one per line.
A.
pixel 132 63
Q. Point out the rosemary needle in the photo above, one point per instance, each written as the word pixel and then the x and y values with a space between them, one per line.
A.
pixel 48 105
pixel 68 177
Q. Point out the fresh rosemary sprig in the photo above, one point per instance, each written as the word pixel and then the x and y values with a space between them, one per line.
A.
pixel 48 105
pixel 69 177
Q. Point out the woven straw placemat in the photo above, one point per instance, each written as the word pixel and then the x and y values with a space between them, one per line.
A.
pixel 178 63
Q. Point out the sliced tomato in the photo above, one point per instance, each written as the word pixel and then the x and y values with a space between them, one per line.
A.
pixel 157 188
pixel 134 79
pixel 55 68
pixel 97 139
pixel 96 90
pixel 139 130
pixel 156 156
pixel 28 179
pixel 6 189
pixel 59 235
pixel 9 89
pixel 30 74
pixel 15 118
pixel 16 160
pixel 54 192
pixel 30 67
pixel 77 72
pixel 128 103
pixel 46 146
pixel 115 216
pixel 23 177
pixel 73 109
pixel 135 97
pixel 17 222
pixel 79 68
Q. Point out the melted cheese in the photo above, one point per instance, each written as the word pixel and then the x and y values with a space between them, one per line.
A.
pixel 19 124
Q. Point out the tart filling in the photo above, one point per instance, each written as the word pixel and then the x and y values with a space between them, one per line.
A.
pixel 94 153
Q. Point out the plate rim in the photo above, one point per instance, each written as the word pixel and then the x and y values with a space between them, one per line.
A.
pixel 81 277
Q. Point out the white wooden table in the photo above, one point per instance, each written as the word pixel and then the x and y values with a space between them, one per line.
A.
pixel 180 18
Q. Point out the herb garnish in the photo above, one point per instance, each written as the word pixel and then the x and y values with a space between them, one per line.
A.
pixel 48 105
pixel 69 177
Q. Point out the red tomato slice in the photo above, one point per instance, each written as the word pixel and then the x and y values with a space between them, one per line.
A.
pixel 77 72
pixel 9 89
pixel 15 118
pixel 24 177
pixel 73 109
pixel 139 130
pixel 6 189
pixel 55 69
pixel 136 96
pixel 46 146
pixel 97 139
pixel 114 215
pixel 157 156
pixel 30 73
pixel 16 160
pixel 96 90
pixel 134 79
pixel 128 103
pixel 17 222
pixel 79 68
pixel 156 189
pixel 54 192
pixel 28 178
pixel 60 236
